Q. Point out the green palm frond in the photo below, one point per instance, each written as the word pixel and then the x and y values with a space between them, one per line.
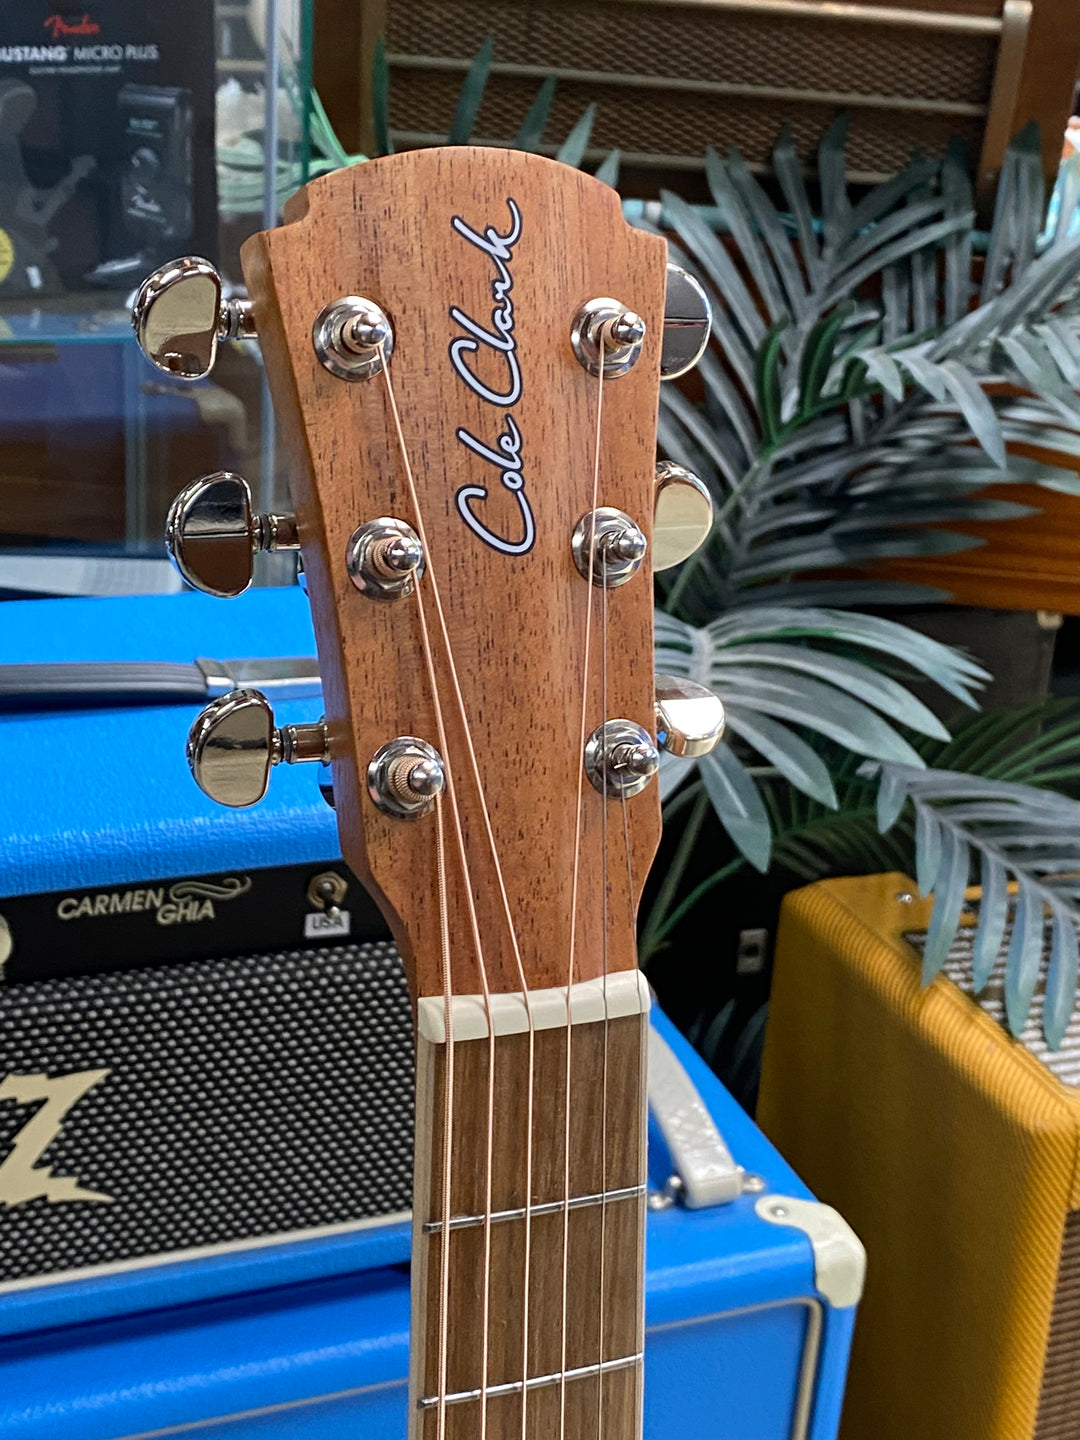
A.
pixel 1021 835
pixel 853 399
pixel 786 674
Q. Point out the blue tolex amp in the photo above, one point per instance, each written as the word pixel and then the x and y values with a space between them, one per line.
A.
pixel 206 1095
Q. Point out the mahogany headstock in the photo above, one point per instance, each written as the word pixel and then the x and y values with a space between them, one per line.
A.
pixel 470 273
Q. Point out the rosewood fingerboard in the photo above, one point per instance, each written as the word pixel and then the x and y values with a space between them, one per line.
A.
pixel 620 1220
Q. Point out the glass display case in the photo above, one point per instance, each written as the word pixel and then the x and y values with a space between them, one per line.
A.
pixel 129 135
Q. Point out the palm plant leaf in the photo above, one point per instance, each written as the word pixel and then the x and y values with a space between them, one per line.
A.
pixel 1028 836
pixel 841 373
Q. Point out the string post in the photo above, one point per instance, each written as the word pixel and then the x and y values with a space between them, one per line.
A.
pixel 607 337
pixel 608 547
pixel 620 758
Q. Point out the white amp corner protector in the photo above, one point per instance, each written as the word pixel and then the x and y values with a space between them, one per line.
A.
pixel 698 1153
pixel 626 992
pixel 839 1256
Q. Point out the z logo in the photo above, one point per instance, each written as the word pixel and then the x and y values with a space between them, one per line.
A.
pixel 21 1177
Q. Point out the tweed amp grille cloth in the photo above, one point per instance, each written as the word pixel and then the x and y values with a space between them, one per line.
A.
pixel 1059 1395
pixel 241 1098
pixel 1064 1063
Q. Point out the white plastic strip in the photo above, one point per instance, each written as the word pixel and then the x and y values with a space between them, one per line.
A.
pixel 627 993
pixel 698 1154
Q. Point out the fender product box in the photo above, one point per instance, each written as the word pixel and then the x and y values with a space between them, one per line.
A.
pixel 205 1108
pixel 106 142
pixel 952 1148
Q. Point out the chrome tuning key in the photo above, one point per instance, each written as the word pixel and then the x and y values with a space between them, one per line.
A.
pixel 620 758
pixel 605 324
pixel 405 776
pixel 180 316
pixel 353 338
pixel 687 324
pixel 213 535
pixel 682 515
pixel 234 744
pixel 615 544
pixel 385 559
pixel 689 717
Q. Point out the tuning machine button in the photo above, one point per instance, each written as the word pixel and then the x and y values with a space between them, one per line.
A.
pixel 234 744
pixel 687 323
pixel 620 758
pixel 179 317
pixel 682 515
pixel 213 535
pixel 689 717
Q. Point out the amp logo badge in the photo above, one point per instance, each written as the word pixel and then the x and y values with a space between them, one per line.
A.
pixel 22 1175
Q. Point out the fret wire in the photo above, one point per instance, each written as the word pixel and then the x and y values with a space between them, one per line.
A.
pixel 549 1207
pixel 535 1382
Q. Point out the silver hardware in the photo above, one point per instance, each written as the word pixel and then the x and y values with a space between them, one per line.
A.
pixel 534 1382
pixel 353 338
pixel 179 316
pixel 213 535
pixel 687 323
pixel 682 515
pixel 620 331
pixel 689 717
pixel 778 1211
pixel 753 1184
pixel 7 944
pixel 233 745
pixel 904 897
pixel 620 758
pixel 385 559
pixel 549 1207
pixel 326 891
pixel 404 777
pixel 617 543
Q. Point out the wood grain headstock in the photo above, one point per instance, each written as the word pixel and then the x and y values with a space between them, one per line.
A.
pixel 464 348
pixel 480 259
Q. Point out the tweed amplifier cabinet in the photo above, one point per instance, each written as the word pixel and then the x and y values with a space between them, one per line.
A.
pixel 669 78
pixel 953 1149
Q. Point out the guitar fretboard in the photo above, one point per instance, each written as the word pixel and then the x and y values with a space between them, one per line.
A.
pixel 603 1228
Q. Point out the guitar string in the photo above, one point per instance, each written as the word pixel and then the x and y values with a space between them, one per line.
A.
pixel 519 965
pixel 448 1108
pixel 604 1081
pixel 451 790
pixel 574 882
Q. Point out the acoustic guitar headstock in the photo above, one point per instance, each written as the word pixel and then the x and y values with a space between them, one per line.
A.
pixel 464 348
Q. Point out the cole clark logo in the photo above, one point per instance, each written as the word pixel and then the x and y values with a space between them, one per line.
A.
pixel 58 25
pixel 188 901
pixel 496 341
pixel 23 1176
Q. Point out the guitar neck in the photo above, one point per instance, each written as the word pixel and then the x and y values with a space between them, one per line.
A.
pixel 580 1240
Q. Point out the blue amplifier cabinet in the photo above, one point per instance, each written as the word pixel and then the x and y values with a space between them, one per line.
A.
pixel 750 1301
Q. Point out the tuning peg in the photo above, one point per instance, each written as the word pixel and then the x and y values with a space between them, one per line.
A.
pixel 689 717
pixel 682 515
pixel 213 535
pixel 179 316
pixel 234 744
pixel 687 324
